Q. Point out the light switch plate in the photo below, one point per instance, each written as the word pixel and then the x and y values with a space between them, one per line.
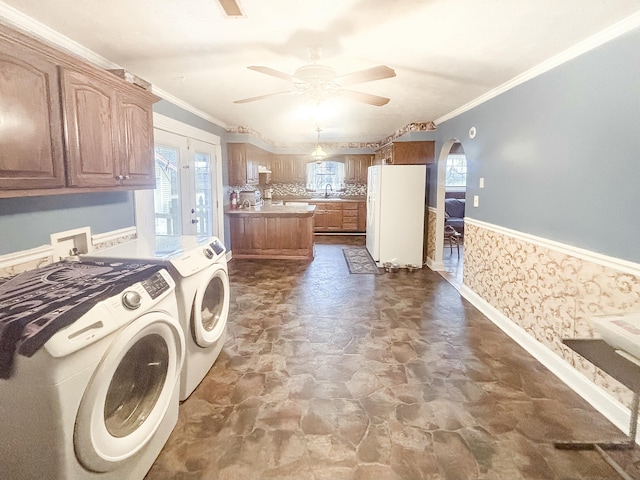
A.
pixel 481 182
pixel 476 200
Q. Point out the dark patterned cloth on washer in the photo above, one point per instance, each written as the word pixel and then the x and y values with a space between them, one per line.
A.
pixel 36 304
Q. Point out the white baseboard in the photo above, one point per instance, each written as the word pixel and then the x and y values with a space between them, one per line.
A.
pixel 435 266
pixel 599 399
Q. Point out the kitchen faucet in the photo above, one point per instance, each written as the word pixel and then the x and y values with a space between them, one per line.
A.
pixel 326 193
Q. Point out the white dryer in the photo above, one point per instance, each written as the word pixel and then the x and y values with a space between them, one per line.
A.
pixel 100 398
pixel 199 267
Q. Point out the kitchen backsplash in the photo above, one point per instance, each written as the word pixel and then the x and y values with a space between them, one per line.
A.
pixel 298 190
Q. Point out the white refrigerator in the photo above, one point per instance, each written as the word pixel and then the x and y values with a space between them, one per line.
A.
pixel 395 213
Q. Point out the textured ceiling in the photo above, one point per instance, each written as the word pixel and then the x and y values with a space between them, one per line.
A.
pixel 445 53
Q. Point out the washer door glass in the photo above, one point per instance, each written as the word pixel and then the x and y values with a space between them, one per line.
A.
pixel 211 308
pixel 130 393
pixel 136 385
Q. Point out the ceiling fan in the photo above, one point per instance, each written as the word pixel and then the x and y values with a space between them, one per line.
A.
pixel 321 81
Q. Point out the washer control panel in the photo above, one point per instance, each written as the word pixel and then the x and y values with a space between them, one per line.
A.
pixel 155 285
pixel 217 246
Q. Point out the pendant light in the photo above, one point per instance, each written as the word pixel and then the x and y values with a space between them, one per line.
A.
pixel 318 152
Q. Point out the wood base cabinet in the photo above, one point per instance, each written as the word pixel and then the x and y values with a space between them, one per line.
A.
pixel 328 216
pixel 264 236
pixel 340 216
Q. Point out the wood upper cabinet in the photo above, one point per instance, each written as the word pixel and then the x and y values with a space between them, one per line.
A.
pixel 109 133
pixel 91 131
pixel 288 169
pixel 356 168
pixel 135 114
pixel 244 160
pixel 66 123
pixel 406 153
pixel 31 140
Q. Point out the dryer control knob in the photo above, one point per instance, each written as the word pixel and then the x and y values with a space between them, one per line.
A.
pixel 131 299
pixel 208 253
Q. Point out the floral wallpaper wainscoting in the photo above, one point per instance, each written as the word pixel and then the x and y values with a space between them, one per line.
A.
pixel 550 290
pixel 432 217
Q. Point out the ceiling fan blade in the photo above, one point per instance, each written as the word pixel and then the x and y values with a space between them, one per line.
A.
pixel 367 75
pixel 273 73
pixel 261 97
pixel 364 98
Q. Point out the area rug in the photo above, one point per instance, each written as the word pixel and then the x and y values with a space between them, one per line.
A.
pixel 359 260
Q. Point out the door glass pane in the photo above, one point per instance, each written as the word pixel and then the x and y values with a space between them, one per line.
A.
pixel 202 163
pixel 136 385
pixel 212 303
pixel 166 194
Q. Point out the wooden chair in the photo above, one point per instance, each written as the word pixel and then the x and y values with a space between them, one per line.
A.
pixel 451 238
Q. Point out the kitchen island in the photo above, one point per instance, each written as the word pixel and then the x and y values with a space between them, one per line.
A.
pixel 272 230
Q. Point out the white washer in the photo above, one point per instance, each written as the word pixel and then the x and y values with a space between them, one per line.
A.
pixel 199 268
pixel 100 398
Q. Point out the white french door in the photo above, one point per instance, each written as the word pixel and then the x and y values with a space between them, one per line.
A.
pixel 184 203
pixel 187 199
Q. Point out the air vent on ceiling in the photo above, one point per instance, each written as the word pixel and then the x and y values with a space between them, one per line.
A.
pixel 231 8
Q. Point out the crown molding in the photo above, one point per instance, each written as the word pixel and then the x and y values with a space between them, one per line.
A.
pixel 189 108
pixel 580 48
pixel 13 18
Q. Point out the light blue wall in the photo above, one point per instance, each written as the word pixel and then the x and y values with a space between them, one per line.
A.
pixel 27 222
pixel 170 110
pixel 560 154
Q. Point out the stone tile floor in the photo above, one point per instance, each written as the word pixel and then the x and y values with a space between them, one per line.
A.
pixel 329 375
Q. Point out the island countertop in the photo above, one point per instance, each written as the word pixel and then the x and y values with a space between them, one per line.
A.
pixel 273 209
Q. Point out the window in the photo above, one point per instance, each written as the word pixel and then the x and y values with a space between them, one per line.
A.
pixel 323 175
pixel 456 172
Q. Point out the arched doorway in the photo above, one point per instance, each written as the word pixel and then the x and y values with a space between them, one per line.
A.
pixel 448 248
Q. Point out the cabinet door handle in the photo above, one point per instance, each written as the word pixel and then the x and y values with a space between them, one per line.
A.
pixel 194 221
pixel 126 177
pixel 118 177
